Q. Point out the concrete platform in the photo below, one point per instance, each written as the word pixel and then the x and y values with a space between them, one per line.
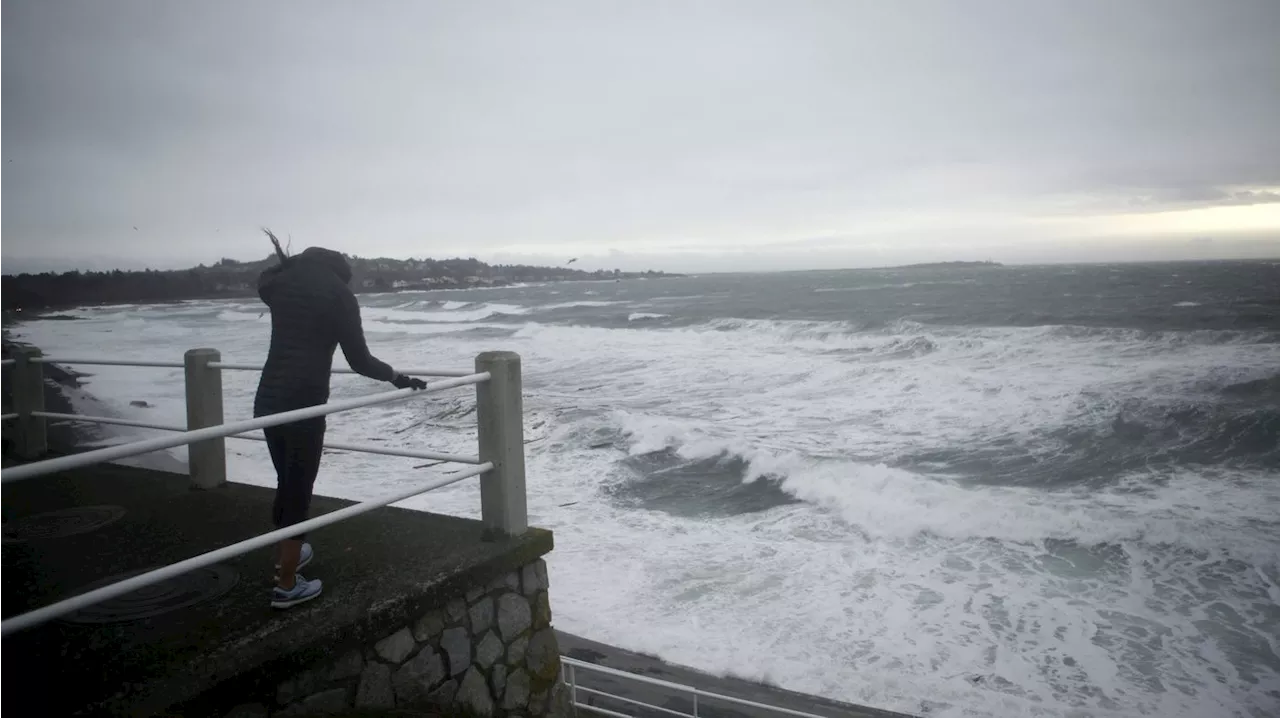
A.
pixel 379 569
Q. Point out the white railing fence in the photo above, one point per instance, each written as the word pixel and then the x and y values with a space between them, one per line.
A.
pixel 700 703
pixel 499 462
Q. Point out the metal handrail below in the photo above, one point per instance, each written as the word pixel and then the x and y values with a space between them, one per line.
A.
pixel 574 664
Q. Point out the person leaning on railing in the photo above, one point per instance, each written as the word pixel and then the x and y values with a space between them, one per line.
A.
pixel 313 311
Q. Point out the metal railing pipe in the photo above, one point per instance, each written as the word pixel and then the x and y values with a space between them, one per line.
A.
pixel 383 451
pixel 113 362
pixel 107 420
pixel 75 603
pixel 233 366
pixel 338 446
pixel 689 690
pixel 98 456
pixel 637 702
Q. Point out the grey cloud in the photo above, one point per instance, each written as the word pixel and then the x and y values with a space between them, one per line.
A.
pixel 1205 197
pixel 444 128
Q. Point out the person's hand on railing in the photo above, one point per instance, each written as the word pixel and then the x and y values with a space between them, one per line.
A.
pixel 408 382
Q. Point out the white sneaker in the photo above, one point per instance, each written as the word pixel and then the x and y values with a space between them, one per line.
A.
pixel 302 591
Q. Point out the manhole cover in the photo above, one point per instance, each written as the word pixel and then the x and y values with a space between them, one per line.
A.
pixel 198 586
pixel 65 522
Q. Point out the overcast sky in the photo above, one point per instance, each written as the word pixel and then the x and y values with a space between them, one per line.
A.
pixel 689 136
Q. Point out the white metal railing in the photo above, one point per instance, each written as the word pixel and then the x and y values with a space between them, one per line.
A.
pixel 109 362
pixel 499 464
pixel 573 665
pixel 146 446
pixel 338 446
pixel 344 370
pixel 222 365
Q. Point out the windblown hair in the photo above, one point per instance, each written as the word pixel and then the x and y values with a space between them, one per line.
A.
pixel 284 258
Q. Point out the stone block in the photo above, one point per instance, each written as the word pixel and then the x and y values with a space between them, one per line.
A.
pixel 489 650
pixel 538 703
pixel 498 680
pixel 375 690
pixel 428 626
pixel 514 616
pixel 348 666
pixel 540 568
pixel 541 610
pixel 509 580
pixel 455 610
pixel 481 615
pixel 544 655
pixel 416 678
pixel 474 593
pixel 456 644
pixel 473 694
pixel 517 650
pixel 529 580
pixel 396 647
pixel 560 704
pixel 443 695
pixel 516 696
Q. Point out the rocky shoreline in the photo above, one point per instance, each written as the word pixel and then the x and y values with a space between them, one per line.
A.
pixel 62 386
pixel 64 437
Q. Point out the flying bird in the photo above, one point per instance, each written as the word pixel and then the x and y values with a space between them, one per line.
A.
pixel 571 261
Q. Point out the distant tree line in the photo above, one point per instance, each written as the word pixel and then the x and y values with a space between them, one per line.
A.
pixel 231 278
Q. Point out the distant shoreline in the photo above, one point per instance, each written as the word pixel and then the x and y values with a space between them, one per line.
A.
pixel 946 265
pixel 13 317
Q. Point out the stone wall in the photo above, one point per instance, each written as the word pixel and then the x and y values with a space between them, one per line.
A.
pixel 489 652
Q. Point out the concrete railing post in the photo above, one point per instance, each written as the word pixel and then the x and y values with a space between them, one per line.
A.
pixel 500 416
pixel 206 459
pixel 30 433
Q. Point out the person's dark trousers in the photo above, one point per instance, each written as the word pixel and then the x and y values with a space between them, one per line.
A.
pixel 295 451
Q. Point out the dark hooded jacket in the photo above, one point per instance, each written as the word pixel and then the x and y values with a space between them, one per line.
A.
pixel 313 311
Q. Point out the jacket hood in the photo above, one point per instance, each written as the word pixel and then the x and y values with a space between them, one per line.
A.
pixel 329 258
pixel 333 261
